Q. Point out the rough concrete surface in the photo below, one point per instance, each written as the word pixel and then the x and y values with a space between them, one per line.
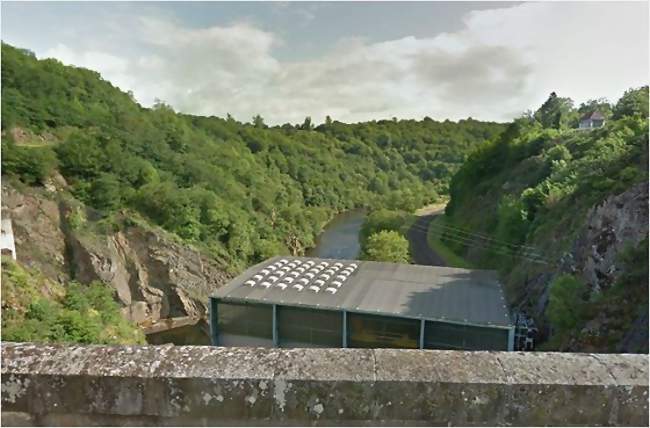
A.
pixel 193 385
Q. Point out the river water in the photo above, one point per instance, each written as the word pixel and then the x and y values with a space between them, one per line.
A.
pixel 339 240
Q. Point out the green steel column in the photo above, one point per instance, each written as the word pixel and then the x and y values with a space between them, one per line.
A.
pixel 213 321
pixel 275 326
pixel 511 339
pixel 421 334
pixel 345 329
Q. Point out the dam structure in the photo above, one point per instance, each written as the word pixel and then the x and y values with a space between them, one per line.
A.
pixel 72 385
pixel 303 302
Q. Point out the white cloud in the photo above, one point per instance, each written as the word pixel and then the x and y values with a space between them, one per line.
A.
pixel 501 63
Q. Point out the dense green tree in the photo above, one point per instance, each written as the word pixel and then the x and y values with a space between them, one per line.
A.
pixel 105 192
pixel 258 122
pixel 633 102
pixel 555 112
pixel 227 185
pixel 387 246
pixel 32 164
pixel 565 302
pixel 307 125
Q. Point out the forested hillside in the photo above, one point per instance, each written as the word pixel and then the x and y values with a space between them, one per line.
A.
pixel 242 191
pixel 563 214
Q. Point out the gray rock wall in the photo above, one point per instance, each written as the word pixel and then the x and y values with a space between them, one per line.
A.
pixel 154 276
pixel 166 385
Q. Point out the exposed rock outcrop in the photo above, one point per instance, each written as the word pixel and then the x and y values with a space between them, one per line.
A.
pixel 619 221
pixel 155 277
pixel 40 241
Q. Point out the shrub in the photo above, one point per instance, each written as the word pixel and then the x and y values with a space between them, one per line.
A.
pixel 387 246
pixel 566 302
pixel 31 164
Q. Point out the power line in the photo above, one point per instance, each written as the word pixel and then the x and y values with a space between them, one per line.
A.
pixel 499 250
pixel 482 244
pixel 481 235
pixel 511 246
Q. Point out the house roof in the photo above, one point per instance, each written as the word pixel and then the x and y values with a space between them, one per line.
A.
pixel 424 292
pixel 594 115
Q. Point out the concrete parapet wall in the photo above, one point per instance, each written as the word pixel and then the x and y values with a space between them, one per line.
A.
pixel 194 385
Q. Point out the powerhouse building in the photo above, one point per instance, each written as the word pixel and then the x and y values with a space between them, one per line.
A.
pixel 301 302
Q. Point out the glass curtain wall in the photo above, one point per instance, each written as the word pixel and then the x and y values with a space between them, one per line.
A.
pixel 240 324
pixel 309 328
pixel 441 335
pixel 375 331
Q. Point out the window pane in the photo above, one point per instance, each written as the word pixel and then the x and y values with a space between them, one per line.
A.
pixel 309 328
pixel 373 331
pixel 244 325
pixel 440 335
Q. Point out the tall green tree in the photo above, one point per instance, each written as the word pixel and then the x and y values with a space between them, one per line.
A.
pixel 555 112
pixel 387 246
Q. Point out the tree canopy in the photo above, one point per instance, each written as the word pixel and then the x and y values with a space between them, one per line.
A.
pixel 243 190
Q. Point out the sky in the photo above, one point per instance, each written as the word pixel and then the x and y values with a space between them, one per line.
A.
pixel 352 61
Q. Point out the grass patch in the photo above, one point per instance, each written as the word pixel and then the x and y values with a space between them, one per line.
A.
pixel 434 239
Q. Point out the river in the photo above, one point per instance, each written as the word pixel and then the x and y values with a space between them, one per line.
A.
pixel 339 240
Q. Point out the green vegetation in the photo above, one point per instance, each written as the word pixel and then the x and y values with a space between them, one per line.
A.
pixel 529 192
pixel 242 191
pixel 382 220
pixel 566 302
pixel 387 246
pixel 533 181
pixel 435 236
pixel 36 310
pixel 32 165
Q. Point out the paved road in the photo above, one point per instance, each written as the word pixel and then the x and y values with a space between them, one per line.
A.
pixel 421 253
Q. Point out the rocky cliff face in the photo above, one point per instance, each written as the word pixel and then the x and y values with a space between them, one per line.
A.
pixel 155 278
pixel 617 223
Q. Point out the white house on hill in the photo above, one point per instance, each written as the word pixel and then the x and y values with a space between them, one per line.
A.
pixel 592 120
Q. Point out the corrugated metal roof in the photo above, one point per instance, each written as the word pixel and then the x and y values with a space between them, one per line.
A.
pixel 424 292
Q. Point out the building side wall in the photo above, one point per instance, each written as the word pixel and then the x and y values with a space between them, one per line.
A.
pixel 297 327
pixel 203 385
pixel 7 242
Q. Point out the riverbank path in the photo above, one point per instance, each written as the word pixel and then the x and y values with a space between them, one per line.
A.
pixel 421 252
